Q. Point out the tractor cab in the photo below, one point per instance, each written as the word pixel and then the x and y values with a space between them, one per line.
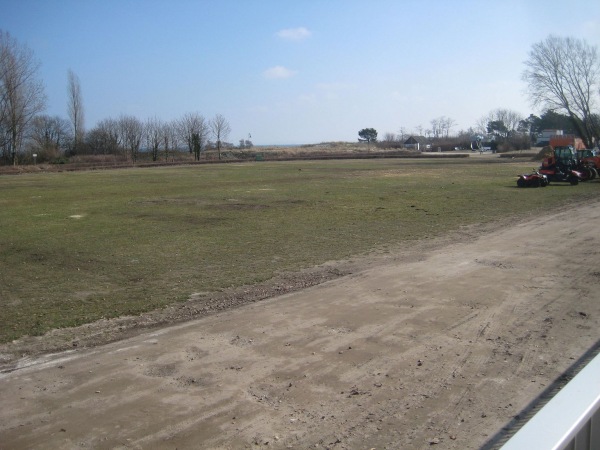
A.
pixel 582 154
pixel 566 157
pixel 562 159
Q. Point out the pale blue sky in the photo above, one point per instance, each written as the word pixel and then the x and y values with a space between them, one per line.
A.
pixel 293 72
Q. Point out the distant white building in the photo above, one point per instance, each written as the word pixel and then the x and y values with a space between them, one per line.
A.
pixel 543 138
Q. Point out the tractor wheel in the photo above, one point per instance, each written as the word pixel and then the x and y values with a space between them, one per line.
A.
pixel 586 174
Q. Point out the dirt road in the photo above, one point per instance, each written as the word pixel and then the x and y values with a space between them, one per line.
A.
pixel 443 349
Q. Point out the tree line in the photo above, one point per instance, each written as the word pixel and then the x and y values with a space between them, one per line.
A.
pixel 24 129
pixel 127 134
pixel 503 129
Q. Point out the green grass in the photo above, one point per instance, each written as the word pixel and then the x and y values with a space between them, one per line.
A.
pixel 147 238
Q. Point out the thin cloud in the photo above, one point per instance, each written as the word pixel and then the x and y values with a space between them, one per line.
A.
pixel 294 34
pixel 278 72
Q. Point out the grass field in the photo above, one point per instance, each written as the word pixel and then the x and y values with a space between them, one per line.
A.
pixel 76 247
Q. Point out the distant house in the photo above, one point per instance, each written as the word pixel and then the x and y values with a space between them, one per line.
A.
pixel 418 143
pixel 543 138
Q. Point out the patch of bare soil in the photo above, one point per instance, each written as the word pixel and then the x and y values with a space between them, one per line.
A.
pixel 442 344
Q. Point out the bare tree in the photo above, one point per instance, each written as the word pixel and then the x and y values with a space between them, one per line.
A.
pixel 437 127
pixel 193 130
pixel 97 142
pixel 563 74
pixel 75 110
pixel 49 135
pixel 447 124
pixel 507 119
pixel 402 133
pixel 441 127
pixel 220 129
pixel 481 125
pixel 105 138
pixel 131 132
pixel 390 137
pixel 153 130
pixel 170 137
pixel 510 118
pixel 21 94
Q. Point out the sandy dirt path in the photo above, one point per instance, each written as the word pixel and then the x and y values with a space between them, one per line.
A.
pixel 443 350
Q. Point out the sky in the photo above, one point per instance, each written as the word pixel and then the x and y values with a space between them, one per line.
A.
pixel 293 72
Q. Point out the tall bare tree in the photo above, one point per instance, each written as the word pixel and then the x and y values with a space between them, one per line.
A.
pixel 402 133
pixel 220 129
pixel 194 130
pixel 75 110
pixel 153 130
pixel 481 125
pixel 441 127
pixel 436 128
pixel 170 137
pixel 132 132
pixel 21 94
pixel 507 119
pixel 447 124
pixel 563 74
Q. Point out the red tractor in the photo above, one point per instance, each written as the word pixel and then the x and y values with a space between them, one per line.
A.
pixel 562 165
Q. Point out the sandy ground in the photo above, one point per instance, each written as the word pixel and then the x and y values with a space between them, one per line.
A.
pixel 444 347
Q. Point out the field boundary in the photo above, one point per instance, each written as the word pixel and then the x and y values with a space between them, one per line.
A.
pixel 227 158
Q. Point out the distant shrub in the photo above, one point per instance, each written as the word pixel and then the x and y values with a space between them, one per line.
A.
pixel 389 144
